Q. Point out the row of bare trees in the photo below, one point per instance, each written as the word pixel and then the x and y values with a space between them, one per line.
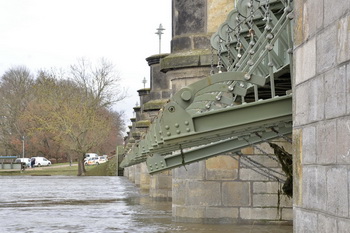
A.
pixel 61 115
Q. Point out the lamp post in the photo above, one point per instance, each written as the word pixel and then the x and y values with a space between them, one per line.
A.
pixel 159 33
pixel 144 81
pixel 22 146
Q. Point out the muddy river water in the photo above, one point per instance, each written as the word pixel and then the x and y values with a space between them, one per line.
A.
pixel 93 204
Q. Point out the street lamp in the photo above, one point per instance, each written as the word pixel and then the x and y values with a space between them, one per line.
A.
pixel 22 146
pixel 144 81
pixel 159 33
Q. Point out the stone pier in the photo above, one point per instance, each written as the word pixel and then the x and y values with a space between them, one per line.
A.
pixel 246 187
pixel 321 116
pixel 222 189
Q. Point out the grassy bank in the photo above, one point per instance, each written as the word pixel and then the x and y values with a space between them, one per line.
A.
pixel 105 169
pixel 52 171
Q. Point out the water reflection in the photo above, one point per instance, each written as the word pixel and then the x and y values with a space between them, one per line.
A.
pixel 93 204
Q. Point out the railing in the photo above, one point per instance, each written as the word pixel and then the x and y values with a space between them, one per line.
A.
pixel 247 102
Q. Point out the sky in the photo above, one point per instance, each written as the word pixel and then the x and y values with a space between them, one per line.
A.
pixel 45 34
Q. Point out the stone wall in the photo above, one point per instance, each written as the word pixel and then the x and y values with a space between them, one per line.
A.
pixel 144 177
pixel 228 189
pixel 224 189
pixel 321 116
pixel 220 189
pixel 161 186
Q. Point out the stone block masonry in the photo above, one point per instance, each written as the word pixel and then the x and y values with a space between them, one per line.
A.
pixel 239 196
pixel 321 116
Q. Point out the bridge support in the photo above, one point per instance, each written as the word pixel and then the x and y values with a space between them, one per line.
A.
pixel 238 185
pixel 225 189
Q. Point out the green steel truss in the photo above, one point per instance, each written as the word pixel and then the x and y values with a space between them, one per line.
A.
pixel 247 102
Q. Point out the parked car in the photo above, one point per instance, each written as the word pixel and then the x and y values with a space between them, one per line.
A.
pixel 90 155
pixel 102 159
pixel 25 161
pixel 92 161
pixel 41 161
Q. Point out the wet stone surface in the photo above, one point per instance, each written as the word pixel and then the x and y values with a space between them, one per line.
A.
pixel 93 204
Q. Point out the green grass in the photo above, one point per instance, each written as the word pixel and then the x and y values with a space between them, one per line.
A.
pixel 105 169
pixel 65 171
pixel 58 164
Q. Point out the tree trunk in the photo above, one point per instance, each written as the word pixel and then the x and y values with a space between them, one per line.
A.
pixel 81 166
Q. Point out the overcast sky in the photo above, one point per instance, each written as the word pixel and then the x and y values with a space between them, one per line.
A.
pixel 44 34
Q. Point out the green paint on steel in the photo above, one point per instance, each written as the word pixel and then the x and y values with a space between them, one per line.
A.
pixel 229 110
pixel 157 163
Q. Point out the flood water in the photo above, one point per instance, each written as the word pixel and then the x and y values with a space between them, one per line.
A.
pixel 93 204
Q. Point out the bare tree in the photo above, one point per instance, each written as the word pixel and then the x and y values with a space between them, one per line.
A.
pixel 101 81
pixel 75 111
pixel 15 93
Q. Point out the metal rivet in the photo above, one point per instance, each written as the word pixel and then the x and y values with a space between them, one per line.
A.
pixel 288 9
pixel 187 123
pixel 186 95
pixel 171 109
pixel 290 16
pixel 269 36
pixel 167 127
pixel 269 47
pixel 178 131
pixel 168 133
pixel 176 125
pixel 188 129
pixel 268 28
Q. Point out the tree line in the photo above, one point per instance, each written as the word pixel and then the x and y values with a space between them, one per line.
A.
pixel 61 114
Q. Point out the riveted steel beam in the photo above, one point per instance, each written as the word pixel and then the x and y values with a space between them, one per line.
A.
pixel 223 123
pixel 214 114
pixel 158 163
pixel 217 126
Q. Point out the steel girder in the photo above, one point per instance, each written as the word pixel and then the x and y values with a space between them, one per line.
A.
pixel 241 106
pixel 157 163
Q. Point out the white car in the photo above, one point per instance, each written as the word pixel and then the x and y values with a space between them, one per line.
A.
pixel 102 159
pixel 88 156
pixel 26 161
pixel 41 161
pixel 92 161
